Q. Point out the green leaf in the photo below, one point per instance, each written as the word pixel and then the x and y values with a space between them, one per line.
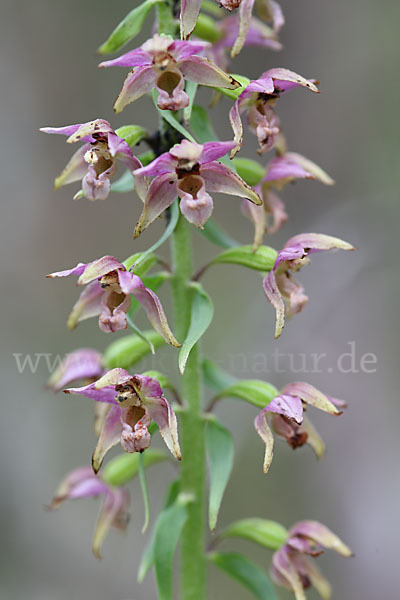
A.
pixel 173 220
pixel 248 573
pixel 170 117
pixel 220 453
pixel 162 379
pixel 200 125
pixel 132 134
pixel 268 534
pixel 125 467
pixel 234 94
pixel 167 534
pixel 129 27
pixel 215 234
pixel 249 170
pixel 140 333
pixel 214 377
pixel 255 391
pixel 141 261
pixel 262 260
pixel 148 555
pixel 191 90
pixel 207 29
pixel 213 8
pixel 201 317
pixel 145 492
pixel 128 350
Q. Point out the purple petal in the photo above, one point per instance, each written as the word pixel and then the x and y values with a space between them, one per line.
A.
pixel 237 127
pixel 67 130
pixel 274 206
pixel 286 80
pixel 287 405
pixel 88 305
pixel 263 85
pixel 310 395
pixel 78 270
pixel 320 534
pixel 272 12
pixel 110 436
pixel 137 83
pixel 84 363
pixel 112 513
pixel 196 205
pixel 181 49
pixel 187 153
pixel 293 293
pixel 310 572
pixel 219 178
pixel 166 163
pixel 114 308
pixel 245 12
pixel 317 242
pixel 161 194
pixel 265 433
pixel 79 483
pixel 97 268
pixel 283 170
pixel 190 10
pixel 171 90
pixel 294 251
pixel 203 71
pixel 105 394
pixel 87 130
pixel 97 187
pixel 75 170
pixel 132 284
pixel 162 414
pixel 258 34
pixel 214 150
pixel 134 58
pixel 284 573
pixel 274 296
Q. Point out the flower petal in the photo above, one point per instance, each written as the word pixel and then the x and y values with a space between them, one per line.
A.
pixel 99 267
pixel 109 437
pixel 190 10
pixel 196 205
pixel 214 150
pixel 309 394
pixel 284 573
pixel 287 405
pixel 258 216
pixel 88 305
pixel 137 83
pixel 203 71
pixel 161 194
pixel 318 242
pixel 274 296
pixel 274 207
pixel 181 49
pixel 75 170
pixel 245 12
pixel 80 483
pixel 134 58
pixel 162 413
pixel 311 572
pixel 78 270
pixel 112 378
pixel 265 433
pixel 84 363
pixel 314 440
pixel 112 513
pixel 165 163
pixel 286 80
pixel 132 284
pixel 105 394
pixel 87 130
pixel 220 178
pixel 320 534
pixel 67 130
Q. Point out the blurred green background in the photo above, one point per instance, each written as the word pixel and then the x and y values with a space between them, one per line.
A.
pixel 49 77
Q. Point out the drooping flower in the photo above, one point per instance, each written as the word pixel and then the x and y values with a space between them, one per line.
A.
pixel 258 100
pixel 190 171
pixel 83 483
pixel 95 163
pixel 107 294
pixel 165 63
pixel 267 10
pixel 135 401
pixel 259 34
pixel 81 365
pixel 284 292
pixel 282 170
pixel 291 567
pixel 287 419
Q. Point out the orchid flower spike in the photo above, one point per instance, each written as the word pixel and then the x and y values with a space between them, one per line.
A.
pixel 287 419
pixel 107 294
pixel 259 34
pixel 83 365
pixel 280 287
pixel 291 567
pixel 135 401
pixel 258 100
pixel 190 171
pixel 95 163
pixel 83 483
pixel 282 170
pixel 165 63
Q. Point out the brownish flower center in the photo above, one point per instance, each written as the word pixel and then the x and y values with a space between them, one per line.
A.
pixel 168 81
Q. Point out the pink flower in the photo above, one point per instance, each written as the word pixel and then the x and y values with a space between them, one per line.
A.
pixel 107 294
pixel 190 171
pixel 83 364
pixel 287 419
pixel 258 99
pixel 95 163
pixel 280 287
pixel 135 400
pixel 165 63
pixel 291 567
pixel 83 483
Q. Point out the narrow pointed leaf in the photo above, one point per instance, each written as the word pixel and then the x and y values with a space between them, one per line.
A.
pixel 262 260
pixel 255 391
pixel 148 556
pixel 220 455
pixel 128 350
pixel 249 574
pixel 268 534
pixel 125 467
pixel 129 27
pixel 202 314
pixel 168 532
pixel 215 234
pixel 216 378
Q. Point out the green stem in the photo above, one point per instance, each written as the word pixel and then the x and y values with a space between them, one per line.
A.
pixel 192 435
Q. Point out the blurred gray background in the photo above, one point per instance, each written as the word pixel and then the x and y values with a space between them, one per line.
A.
pixel 49 77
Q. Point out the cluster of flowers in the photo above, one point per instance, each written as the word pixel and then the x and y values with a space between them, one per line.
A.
pixel 192 172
